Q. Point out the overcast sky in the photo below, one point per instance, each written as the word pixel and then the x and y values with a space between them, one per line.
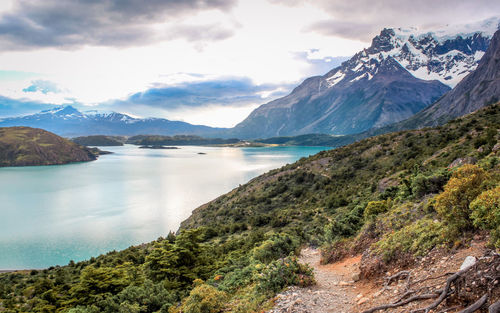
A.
pixel 202 61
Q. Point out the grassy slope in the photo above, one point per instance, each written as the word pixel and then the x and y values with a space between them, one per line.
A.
pixel 235 241
pixel 305 194
pixel 22 146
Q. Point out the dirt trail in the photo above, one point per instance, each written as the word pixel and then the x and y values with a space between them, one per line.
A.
pixel 334 292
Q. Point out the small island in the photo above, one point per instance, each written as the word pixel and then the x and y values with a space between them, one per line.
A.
pixel 158 147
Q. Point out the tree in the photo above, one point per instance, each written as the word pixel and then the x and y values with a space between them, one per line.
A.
pixel 181 262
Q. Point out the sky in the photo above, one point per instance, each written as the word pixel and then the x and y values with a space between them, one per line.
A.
pixel 205 62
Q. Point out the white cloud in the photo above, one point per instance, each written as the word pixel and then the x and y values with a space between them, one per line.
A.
pixel 256 39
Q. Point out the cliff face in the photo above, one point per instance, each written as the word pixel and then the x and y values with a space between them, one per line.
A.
pixel 344 102
pixel 478 89
pixel 23 146
pixel 401 73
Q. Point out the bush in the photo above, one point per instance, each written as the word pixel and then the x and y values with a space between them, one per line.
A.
pixel 416 238
pixel 422 185
pixel 278 246
pixel 282 273
pixel 203 299
pixel 486 213
pixel 374 208
pixel 344 224
pixel 453 203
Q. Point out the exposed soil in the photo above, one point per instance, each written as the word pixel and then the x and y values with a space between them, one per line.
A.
pixel 334 291
pixel 338 289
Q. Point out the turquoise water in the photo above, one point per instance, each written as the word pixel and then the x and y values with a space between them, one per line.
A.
pixel 53 214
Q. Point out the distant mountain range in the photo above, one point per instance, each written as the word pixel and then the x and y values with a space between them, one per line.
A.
pixel 397 81
pixel 401 73
pixel 68 121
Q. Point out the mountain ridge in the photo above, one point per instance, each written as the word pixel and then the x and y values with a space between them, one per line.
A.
pixel 436 57
pixel 70 122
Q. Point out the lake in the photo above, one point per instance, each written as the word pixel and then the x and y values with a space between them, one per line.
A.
pixel 53 214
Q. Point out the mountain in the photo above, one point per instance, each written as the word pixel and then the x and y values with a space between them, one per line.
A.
pixel 401 73
pixel 23 146
pixel 392 201
pixel 68 121
pixel 478 89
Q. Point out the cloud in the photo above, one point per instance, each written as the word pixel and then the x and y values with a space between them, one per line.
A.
pixel 43 86
pixel 16 107
pixel 362 19
pixel 211 32
pixel 232 92
pixel 318 63
pixel 73 23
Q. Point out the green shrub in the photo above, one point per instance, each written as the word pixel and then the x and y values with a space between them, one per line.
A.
pixel 422 185
pixel 374 208
pixel 344 224
pixel 416 238
pixel 203 299
pixel 282 273
pixel 277 246
pixel 486 213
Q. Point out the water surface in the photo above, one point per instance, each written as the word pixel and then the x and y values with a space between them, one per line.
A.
pixel 53 214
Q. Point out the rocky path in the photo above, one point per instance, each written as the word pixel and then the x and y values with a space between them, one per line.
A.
pixel 334 291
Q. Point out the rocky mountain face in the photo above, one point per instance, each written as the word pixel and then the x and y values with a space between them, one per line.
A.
pixel 401 73
pixel 68 121
pixel 476 90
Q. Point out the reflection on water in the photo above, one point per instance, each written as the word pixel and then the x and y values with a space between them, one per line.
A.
pixel 53 214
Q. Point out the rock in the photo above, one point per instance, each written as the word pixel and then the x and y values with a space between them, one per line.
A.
pixel 362 300
pixel 343 283
pixel 463 161
pixel 386 182
pixel 355 277
pixel 470 260
pixel 378 293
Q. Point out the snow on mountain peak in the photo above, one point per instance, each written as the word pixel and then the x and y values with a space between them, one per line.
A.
pixel 446 54
pixel 449 32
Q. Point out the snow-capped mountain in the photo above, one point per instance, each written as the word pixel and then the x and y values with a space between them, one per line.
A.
pixel 447 54
pixel 480 88
pixel 68 121
pixel 402 72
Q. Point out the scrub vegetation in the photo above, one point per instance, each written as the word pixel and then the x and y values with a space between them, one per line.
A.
pixel 394 197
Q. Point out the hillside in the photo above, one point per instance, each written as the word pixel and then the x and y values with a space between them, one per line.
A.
pixel 23 146
pixel 179 140
pixel 384 197
pixel 99 140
